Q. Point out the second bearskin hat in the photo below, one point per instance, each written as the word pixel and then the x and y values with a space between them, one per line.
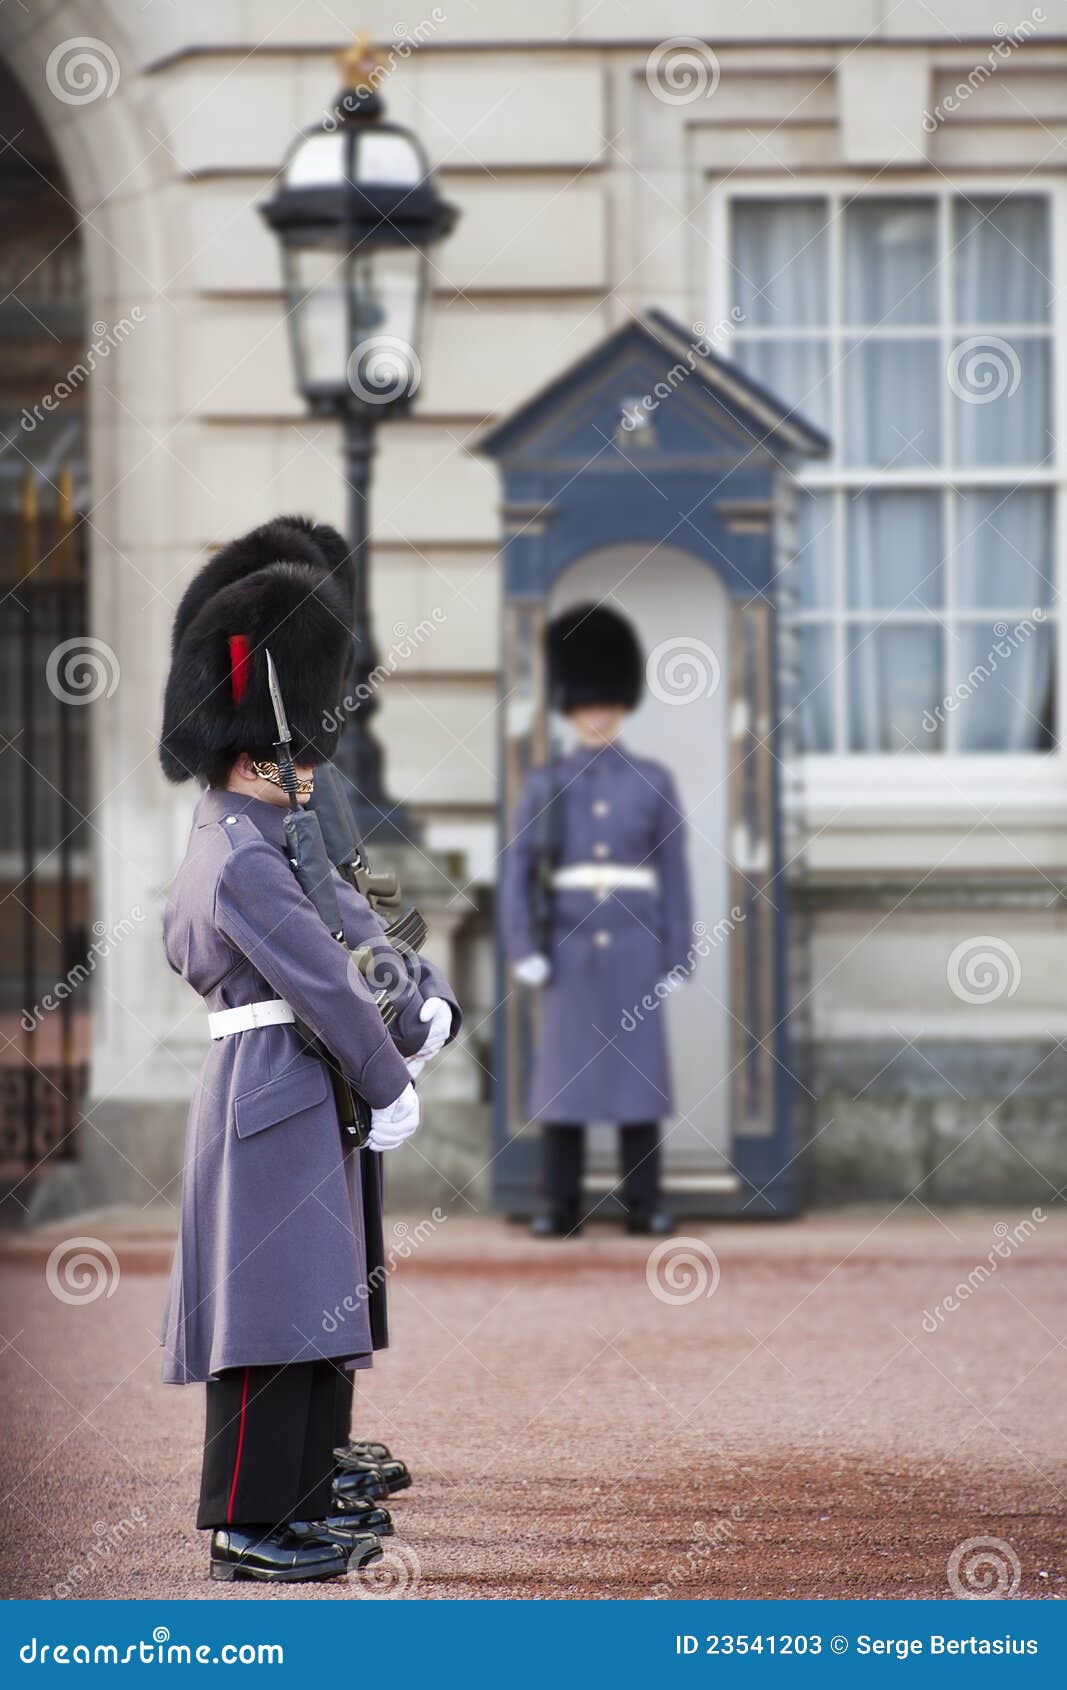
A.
pixel 594 657
pixel 286 586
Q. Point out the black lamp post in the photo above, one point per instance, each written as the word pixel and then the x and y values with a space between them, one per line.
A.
pixel 356 210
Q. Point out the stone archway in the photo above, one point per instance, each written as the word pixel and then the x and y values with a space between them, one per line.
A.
pixel 114 175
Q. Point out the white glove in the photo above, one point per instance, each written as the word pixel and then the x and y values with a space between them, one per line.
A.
pixel 389 1127
pixel 533 970
pixel 438 1014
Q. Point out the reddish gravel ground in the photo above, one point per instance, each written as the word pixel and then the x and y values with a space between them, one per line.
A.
pixel 799 1432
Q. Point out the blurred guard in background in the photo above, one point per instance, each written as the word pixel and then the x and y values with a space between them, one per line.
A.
pixel 280 1214
pixel 596 915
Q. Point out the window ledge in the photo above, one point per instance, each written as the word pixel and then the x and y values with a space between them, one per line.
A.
pixel 914 789
pixel 870 816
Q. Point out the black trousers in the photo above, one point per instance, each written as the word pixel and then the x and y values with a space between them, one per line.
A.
pixel 345 1395
pixel 268 1444
pixel 563 1163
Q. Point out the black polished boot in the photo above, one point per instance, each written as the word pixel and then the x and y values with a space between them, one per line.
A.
pixel 364 1481
pixel 278 1556
pixel 392 1474
pixel 556 1223
pixel 361 1450
pixel 359 1545
pixel 649 1223
pixel 363 1515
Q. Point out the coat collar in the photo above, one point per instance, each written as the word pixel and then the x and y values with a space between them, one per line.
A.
pixel 215 804
pixel 599 756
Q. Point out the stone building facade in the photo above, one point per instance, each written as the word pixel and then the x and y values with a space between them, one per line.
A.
pixel 598 176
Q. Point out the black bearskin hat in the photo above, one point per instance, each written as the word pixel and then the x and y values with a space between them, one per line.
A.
pixel 287 586
pixel 594 657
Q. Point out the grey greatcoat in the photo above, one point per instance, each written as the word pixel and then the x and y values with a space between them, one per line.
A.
pixel 280 1225
pixel 596 1060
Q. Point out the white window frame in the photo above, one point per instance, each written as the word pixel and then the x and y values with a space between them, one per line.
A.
pixel 937 786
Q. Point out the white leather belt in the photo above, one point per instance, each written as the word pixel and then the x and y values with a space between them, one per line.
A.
pixel 273 1012
pixel 603 878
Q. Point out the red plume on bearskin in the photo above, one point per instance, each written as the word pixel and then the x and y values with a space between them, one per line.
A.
pixel 240 665
pixel 287 585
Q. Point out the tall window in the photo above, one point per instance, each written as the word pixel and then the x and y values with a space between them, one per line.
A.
pixel 916 330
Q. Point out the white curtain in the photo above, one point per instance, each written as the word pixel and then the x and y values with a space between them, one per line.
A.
pixel 781 262
pixel 907 403
pixel 1005 683
pixel 893 546
pixel 1001 260
pixel 890 259
pixel 1004 555
pixel 894 687
pixel 795 371
pixel 892 394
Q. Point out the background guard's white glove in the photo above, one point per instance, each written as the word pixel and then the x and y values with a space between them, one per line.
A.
pixel 389 1127
pixel 437 1012
pixel 533 970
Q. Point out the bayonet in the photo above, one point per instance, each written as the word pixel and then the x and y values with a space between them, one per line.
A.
pixel 284 742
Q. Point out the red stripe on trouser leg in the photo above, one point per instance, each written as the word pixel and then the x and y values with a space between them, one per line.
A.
pixel 240 1449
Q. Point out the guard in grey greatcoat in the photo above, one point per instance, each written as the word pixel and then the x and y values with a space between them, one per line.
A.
pixel 274 1293
pixel 597 916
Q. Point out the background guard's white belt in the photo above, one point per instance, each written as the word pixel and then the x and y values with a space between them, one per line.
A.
pixel 605 877
pixel 272 1012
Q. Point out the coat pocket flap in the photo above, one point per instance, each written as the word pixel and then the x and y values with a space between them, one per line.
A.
pixel 302 1087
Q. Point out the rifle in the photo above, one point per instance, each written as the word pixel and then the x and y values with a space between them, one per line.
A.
pixel 405 933
pixel 548 845
pixel 310 864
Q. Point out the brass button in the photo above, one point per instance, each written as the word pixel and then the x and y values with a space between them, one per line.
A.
pixel 601 807
pixel 602 938
pixel 602 850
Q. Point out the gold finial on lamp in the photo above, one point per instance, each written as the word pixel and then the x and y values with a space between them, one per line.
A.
pixel 360 64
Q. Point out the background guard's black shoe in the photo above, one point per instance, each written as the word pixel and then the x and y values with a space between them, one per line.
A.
pixel 393 1474
pixel 650 1223
pixel 557 1223
pixel 361 1480
pixel 278 1556
pixel 359 1449
pixel 364 1516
